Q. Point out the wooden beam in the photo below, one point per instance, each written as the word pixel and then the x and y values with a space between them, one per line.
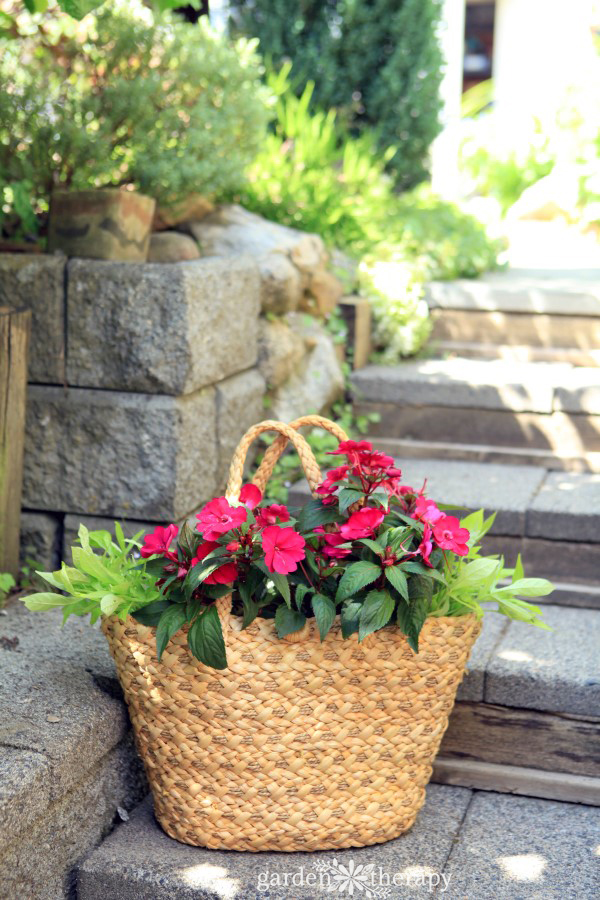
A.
pixel 517 780
pixel 523 737
pixel 15 326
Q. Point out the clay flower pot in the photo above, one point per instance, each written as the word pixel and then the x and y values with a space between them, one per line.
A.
pixel 103 224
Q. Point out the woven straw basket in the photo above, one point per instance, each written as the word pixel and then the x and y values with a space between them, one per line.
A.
pixel 298 744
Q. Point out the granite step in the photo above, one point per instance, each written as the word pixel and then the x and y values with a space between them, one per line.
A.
pixel 463 844
pixel 551 518
pixel 520 353
pixel 545 406
pixel 67 761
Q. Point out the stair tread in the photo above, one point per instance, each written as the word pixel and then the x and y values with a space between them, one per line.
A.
pixel 567 293
pixel 495 384
pixel 489 844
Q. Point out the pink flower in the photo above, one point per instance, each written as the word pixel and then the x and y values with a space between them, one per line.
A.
pixel 218 517
pixel 225 574
pixel 330 484
pixel 269 515
pixel 348 448
pixel 250 496
pixel 426 511
pixel 332 541
pixel 362 524
pixel 450 536
pixel 426 546
pixel 283 549
pixel 159 541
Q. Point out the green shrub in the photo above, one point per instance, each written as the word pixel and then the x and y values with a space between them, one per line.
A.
pixel 160 105
pixel 376 61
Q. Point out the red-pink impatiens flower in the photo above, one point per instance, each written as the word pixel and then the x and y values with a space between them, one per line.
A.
pixel 450 536
pixel 159 541
pixel 269 515
pixel 348 448
pixel 332 541
pixel 362 524
pixel 250 496
pixel 218 517
pixel 225 574
pixel 426 510
pixel 283 549
pixel 426 546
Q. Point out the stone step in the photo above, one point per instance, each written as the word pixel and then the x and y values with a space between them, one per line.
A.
pixel 67 761
pixel 485 844
pixel 546 406
pixel 520 353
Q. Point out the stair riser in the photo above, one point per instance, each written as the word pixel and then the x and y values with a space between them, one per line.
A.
pixel 536 330
pixel 568 434
pixel 516 352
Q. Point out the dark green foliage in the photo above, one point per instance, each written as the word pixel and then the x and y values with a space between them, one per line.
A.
pixel 377 61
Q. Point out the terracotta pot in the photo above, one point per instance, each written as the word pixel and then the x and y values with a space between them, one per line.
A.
pixel 104 224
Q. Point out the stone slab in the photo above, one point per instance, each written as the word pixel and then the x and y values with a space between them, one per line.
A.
pixel 473 684
pixel 507 490
pixel 553 671
pixel 139 861
pixel 39 863
pixel 40 539
pixel 107 453
pixel 38 282
pixel 518 848
pixel 24 775
pixel 239 404
pixel 535 330
pixel 580 392
pixel 570 435
pixel 471 383
pixel 558 293
pixel 161 328
pixel 567 507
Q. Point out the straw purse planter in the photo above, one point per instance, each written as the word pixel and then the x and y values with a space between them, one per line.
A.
pixel 279 703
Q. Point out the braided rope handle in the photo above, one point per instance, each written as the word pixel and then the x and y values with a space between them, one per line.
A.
pixel 273 453
pixel 307 459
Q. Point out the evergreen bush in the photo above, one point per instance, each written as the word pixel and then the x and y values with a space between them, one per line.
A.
pixel 376 61
pixel 122 99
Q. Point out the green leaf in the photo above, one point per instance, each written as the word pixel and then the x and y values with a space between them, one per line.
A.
pixel 188 539
pixel 373 545
pixel 120 536
pixel 527 587
pixel 300 592
pixel 518 572
pixel 324 610
pixel 205 639
pixel 347 497
pixel 356 576
pixel 45 600
pixel 397 579
pixel 314 513
pixel 287 621
pixel 151 613
pixel 376 613
pixel 109 603
pixel 170 622
pixel 251 610
pixel 350 617
pixel 282 585
pixel 200 572
pixel 410 618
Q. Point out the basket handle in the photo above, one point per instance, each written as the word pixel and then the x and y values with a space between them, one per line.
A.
pixel 236 471
pixel 273 453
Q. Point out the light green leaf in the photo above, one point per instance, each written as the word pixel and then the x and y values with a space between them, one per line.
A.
pixel 45 600
pixel 527 587
pixel 109 603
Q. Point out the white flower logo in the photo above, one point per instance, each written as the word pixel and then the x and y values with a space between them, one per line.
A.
pixel 352 880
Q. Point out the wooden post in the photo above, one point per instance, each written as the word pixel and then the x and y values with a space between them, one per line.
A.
pixel 15 326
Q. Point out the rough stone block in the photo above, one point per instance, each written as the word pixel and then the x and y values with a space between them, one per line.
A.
pixel 40 539
pixel 40 863
pixel 317 383
pixel 506 490
pixel 567 507
pixel 280 351
pixel 239 405
pixel 37 281
pixel 552 671
pixel 105 453
pixel 326 290
pixel 171 246
pixel 519 848
pixel 280 284
pixel 139 861
pixel 161 328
